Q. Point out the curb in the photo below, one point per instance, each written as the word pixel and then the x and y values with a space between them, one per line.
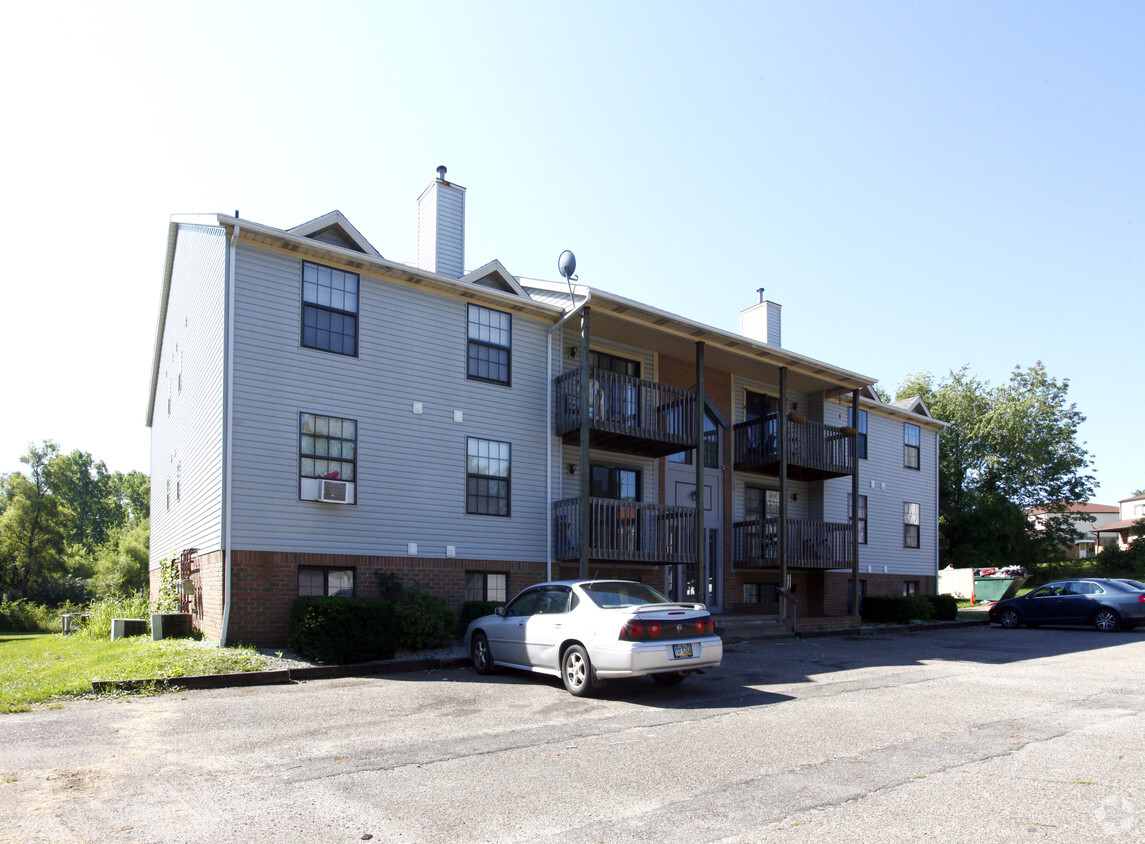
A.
pixel 861 631
pixel 406 666
pixel 292 675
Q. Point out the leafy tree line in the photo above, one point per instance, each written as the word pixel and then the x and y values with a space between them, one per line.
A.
pixel 1010 448
pixel 70 529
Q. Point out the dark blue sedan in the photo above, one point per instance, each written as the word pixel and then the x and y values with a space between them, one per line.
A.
pixel 1105 604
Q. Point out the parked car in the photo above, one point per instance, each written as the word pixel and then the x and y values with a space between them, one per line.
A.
pixel 590 631
pixel 1106 604
pixel 1136 584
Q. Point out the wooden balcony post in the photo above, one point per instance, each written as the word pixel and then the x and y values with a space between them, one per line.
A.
pixel 585 471
pixel 855 505
pixel 782 532
pixel 701 544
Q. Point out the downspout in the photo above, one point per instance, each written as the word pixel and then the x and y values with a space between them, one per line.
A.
pixel 228 418
pixel 781 431
pixel 549 440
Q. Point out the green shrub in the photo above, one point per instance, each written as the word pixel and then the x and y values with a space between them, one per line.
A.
pixel 22 616
pixel 100 614
pixel 390 587
pixel 886 610
pixel 945 607
pixel 424 620
pixel 471 610
pixel 344 630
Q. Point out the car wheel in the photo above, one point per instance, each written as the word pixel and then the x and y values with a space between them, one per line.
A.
pixel 1010 618
pixel 675 678
pixel 481 655
pixel 576 671
pixel 1106 620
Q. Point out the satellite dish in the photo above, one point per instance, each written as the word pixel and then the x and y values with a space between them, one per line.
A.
pixel 566 264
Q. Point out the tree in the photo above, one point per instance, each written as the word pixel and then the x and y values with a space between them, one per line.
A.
pixel 1009 449
pixel 34 525
pixel 121 562
pixel 86 488
pixel 133 493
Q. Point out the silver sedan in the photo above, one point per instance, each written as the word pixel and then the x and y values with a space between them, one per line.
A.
pixel 590 631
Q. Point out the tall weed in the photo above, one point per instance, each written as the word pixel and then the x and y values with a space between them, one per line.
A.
pixel 100 614
pixel 21 616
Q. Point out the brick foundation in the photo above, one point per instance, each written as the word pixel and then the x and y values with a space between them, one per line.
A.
pixel 265 586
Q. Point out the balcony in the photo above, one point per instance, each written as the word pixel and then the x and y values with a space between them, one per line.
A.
pixel 626 414
pixel 810 545
pixel 815 452
pixel 627 531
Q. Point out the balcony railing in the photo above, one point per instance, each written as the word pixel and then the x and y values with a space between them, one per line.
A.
pixel 810 545
pixel 625 413
pixel 815 451
pixel 626 531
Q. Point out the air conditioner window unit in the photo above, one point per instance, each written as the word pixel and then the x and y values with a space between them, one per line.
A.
pixel 334 492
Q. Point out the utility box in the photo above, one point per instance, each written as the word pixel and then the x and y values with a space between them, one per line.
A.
pixel 170 625
pixel 121 628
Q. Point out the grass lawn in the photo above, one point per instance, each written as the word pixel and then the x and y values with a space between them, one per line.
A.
pixel 45 667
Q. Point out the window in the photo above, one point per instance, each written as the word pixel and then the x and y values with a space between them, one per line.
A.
pixel 711 446
pixel 615 394
pixel 862 525
pixel 760 593
pixel 486 586
pixel 487 477
pixel 909 587
pixel 759 405
pixel 329 309
pixel 616 483
pixel 614 363
pixel 178 481
pixel 911 439
pixel 325 580
pixel 760 503
pixel 327 447
pixel 490 345
pixel 910 525
pixel 861 439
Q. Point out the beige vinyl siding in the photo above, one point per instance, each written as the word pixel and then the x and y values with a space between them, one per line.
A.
pixel 893 486
pixel 805 506
pixel 188 440
pixel 411 472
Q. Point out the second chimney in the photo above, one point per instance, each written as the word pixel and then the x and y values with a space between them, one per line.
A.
pixel 761 322
pixel 441 227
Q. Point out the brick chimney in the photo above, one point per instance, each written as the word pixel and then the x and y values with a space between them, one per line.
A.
pixel 441 227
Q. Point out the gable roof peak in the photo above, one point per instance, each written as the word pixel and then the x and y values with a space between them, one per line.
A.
pixel 335 229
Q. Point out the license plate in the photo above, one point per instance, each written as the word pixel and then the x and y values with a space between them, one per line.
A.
pixel 682 651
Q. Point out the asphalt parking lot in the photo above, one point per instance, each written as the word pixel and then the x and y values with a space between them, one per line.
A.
pixel 975 733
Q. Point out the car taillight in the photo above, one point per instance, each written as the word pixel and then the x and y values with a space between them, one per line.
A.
pixel 1141 599
pixel 635 631
pixel 632 631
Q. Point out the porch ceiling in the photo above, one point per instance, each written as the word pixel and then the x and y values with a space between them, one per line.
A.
pixel 644 327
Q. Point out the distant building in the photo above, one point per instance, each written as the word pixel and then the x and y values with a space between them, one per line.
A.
pixel 1084 518
pixel 323 417
pixel 1130 510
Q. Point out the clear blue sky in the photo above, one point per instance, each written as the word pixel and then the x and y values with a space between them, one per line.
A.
pixel 920 185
